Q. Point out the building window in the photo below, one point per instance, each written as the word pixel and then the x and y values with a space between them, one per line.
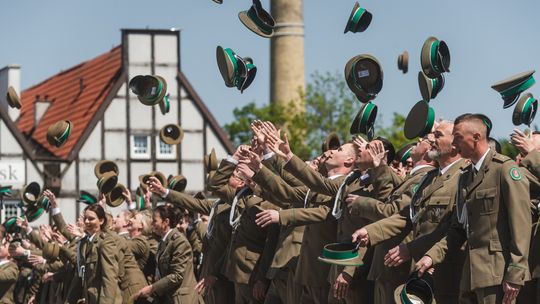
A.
pixel 165 151
pixel 140 146
pixel 10 209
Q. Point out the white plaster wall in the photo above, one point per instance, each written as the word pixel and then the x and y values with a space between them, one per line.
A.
pixel 191 117
pixel 32 175
pixel 192 146
pixel 69 179
pixel 115 117
pixel 115 145
pixel 167 168
pixel 91 149
pixel 195 176
pixel 8 143
pixel 87 179
pixel 212 141
pixel 166 49
pixel 139 48
pixel 169 73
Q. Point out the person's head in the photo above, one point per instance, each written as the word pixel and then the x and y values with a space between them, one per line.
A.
pixel 236 181
pixel 140 223
pixel 536 140
pixel 365 160
pixel 471 132
pixel 121 221
pixel 94 219
pixel 442 145
pixel 164 218
pixel 494 145
pixel 343 157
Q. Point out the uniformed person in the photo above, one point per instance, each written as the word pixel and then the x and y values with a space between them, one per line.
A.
pixel 427 216
pixel 529 148
pixel 175 280
pixel 213 285
pixel 348 283
pixel 387 279
pixel 143 245
pixel 492 215
pixel 248 240
pixel 9 273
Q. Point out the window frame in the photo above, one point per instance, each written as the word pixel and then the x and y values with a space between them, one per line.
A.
pixel 148 153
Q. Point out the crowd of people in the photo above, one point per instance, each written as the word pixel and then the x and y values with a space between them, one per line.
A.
pixel 448 209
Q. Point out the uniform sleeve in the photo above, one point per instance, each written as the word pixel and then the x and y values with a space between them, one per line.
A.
pixel 218 184
pixel 279 192
pixel 178 265
pixel 383 181
pixel 186 201
pixel 36 239
pixel 276 165
pixel 305 216
pixel 382 230
pixel 311 178
pixel 109 266
pixel 9 274
pixel 515 196
pixel 453 241
pixel 139 247
pixel 374 210
pixel 58 220
pixel 532 163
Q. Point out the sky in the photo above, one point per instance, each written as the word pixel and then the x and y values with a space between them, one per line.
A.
pixel 488 40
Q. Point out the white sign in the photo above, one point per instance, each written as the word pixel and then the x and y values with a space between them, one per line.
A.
pixel 12 172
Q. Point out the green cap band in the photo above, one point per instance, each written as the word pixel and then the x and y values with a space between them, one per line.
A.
pixel 340 255
pixel 141 203
pixel 406 155
pixel 527 110
pixel 88 199
pixel 367 109
pixel 252 14
pixel 430 119
pixel 518 88
pixel 64 136
pixel 433 56
pixel 356 18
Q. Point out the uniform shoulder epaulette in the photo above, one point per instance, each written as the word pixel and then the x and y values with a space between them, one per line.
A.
pixel 500 158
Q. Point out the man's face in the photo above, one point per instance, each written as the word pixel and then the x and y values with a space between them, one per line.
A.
pixel 235 181
pixel 463 140
pixel 340 157
pixel 442 143
pixel 135 223
pixel 364 158
pixel 159 225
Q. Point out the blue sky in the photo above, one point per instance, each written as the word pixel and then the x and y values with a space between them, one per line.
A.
pixel 488 40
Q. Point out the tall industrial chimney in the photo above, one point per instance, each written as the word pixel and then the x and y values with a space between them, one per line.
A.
pixel 287 78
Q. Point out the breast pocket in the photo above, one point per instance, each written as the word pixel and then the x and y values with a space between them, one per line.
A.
pixel 486 200
pixel 436 208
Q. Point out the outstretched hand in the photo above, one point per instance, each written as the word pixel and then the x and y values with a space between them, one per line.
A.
pixel 377 153
pixel 523 142
pixel 279 146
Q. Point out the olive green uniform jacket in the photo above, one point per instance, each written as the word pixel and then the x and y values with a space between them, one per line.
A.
pixel 175 283
pixel 9 273
pixel 497 203
pixel 374 210
pixel 432 205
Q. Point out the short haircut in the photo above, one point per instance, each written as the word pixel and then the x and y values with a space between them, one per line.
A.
pixel 169 212
pixel 388 146
pixel 479 118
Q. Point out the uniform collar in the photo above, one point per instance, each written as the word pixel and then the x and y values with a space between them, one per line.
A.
pixel 166 235
pixel 478 165
pixel 4 262
pixel 443 170
pixel 415 169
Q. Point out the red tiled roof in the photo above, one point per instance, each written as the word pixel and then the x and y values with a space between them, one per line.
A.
pixel 69 101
